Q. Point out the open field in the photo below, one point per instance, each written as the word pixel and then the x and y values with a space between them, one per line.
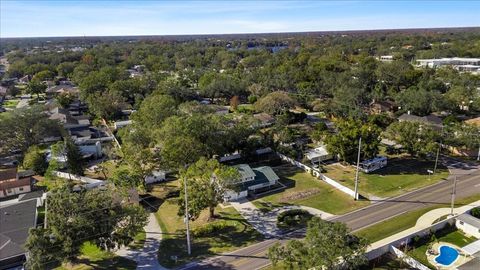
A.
pixel 305 189
pixel 230 232
pixel 400 176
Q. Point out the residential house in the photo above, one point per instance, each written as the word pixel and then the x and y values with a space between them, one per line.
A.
pixel 69 121
pixel 469 224
pixel 136 71
pixel 13 183
pixel 264 119
pixel 318 155
pixel 25 79
pixel 385 58
pixel 386 106
pixel 15 221
pixel 155 176
pixel 430 120
pixel 251 181
pixel 473 121
pixel 120 124
pixel 55 90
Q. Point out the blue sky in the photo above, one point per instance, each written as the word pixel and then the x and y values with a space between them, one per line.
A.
pixel 98 18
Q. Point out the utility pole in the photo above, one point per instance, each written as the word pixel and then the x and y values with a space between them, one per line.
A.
pixel 478 156
pixel 358 167
pixel 436 159
pixel 189 250
pixel 46 212
pixel 454 189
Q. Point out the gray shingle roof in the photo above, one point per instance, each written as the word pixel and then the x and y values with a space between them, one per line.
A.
pixel 15 221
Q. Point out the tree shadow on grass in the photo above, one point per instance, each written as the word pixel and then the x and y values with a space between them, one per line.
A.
pixel 405 166
pixel 113 262
pixel 173 253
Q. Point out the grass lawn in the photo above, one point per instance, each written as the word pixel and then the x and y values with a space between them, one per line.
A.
pixel 309 191
pixel 401 175
pixel 11 103
pixel 234 232
pixel 453 237
pixel 94 258
pixel 109 168
pixel 402 222
pixel 392 226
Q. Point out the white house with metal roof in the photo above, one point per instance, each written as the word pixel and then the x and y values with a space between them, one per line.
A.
pixel 318 155
pixel 468 224
pixel 250 181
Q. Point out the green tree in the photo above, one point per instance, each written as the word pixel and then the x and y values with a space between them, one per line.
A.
pixel 106 105
pixel 35 160
pixel 345 141
pixel 65 69
pixel 275 103
pixel 64 99
pixel 44 75
pixel 36 87
pixel 416 139
pixel 76 217
pixel 154 110
pixel 128 178
pixel 75 163
pixel 207 181
pixel 25 127
pixel 416 100
pixel 326 245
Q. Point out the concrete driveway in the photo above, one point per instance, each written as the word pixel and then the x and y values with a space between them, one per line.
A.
pixel 146 257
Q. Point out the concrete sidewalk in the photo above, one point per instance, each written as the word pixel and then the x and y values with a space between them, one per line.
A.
pixel 266 223
pixel 423 222
pixel 146 257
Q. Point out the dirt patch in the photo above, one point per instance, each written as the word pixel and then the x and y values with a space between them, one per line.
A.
pixel 299 195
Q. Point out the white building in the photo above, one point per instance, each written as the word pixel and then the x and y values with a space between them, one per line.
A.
pixel 386 58
pixel 468 224
pixel 373 164
pixel 250 181
pixel 318 155
pixel 120 124
pixel 459 63
pixel 156 176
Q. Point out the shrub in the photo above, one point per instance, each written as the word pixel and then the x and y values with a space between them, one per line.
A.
pixel 208 229
pixel 252 99
pixel 293 218
pixel 475 212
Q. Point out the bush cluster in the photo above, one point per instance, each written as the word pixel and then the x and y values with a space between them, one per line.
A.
pixel 293 218
pixel 210 228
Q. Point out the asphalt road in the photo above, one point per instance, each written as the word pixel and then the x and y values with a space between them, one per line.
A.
pixel 468 184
